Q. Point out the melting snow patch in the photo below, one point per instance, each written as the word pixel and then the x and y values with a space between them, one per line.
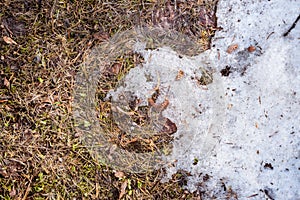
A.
pixel 240 133
pixel 258 153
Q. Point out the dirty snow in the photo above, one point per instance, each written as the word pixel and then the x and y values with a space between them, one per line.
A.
pixel 258 153
pixel 242 128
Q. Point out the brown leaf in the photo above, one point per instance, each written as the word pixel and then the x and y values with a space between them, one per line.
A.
pixel 123 189
pixel 119 174
pixel 169 127
pixel 6 83
pixel 232 48
pixel 180 74
pixel 251 48
pixel 102 36
pixel 8 40
pixel 115 69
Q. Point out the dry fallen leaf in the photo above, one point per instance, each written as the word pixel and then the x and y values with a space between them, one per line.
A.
pixel 251 48
pixel 115 69
pixel 102 36
pixel 229 106
pixel 8 40
pixel 6 83
pixel 180 75
pixel 119 174
pixel 232 48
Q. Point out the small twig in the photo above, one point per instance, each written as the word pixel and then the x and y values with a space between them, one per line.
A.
pixel 292 27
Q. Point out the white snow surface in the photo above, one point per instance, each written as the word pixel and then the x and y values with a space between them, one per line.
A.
pixel 262 123
pixel 243 128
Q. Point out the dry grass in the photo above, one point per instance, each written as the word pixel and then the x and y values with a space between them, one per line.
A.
pixel 41 156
